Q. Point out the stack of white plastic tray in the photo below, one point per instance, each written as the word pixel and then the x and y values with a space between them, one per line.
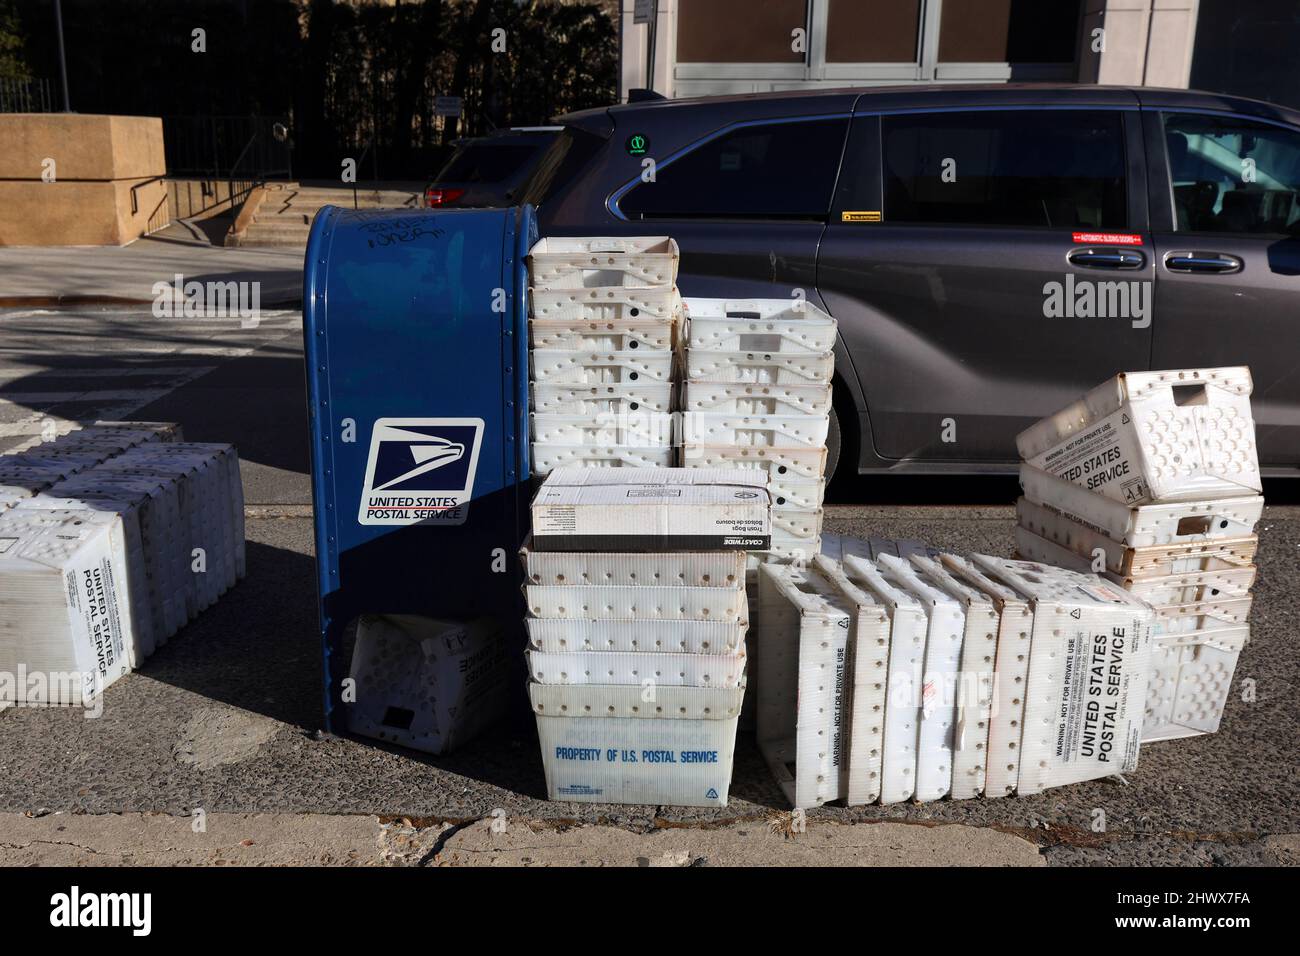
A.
pixel 1153 479
pixel 604 323
pixel 903 673
pixel 637 673
pixel 152 526
pixel 757 395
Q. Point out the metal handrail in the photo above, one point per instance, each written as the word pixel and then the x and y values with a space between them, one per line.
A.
pixel 135 204
pixel 357 175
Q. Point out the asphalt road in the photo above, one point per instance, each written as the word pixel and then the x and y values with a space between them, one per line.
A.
pixel 226 716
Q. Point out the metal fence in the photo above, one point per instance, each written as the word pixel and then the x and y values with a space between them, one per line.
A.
pixel 28 95
pixel 225 147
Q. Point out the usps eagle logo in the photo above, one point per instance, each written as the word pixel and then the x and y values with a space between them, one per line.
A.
pixel 420 470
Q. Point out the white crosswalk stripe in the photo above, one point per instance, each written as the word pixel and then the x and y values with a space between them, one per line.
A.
pixel 108 374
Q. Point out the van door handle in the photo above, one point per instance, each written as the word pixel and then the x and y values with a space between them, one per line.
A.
pixel 1207 263
pixel 1107 258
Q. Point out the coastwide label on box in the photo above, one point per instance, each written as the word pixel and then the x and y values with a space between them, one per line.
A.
pixel 420 471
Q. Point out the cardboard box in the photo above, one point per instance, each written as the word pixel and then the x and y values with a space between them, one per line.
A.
pixel 1149 437
pixel 1088 669
pixel 604 744
pixel 652 509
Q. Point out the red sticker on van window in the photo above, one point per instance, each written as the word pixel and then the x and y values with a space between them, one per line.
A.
pixel 1108 238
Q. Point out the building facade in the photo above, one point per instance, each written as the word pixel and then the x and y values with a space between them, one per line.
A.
pixel 704 47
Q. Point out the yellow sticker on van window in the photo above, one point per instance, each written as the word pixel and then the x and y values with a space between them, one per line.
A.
pixel 871 215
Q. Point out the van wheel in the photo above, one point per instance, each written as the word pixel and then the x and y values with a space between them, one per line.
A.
pixel 832 446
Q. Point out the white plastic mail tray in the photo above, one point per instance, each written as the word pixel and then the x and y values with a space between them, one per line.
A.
pixel 760 368
pixel 608 304
pixel 1011 675
pixel 624 603
pixel 731 398
pixel 1199 615
pixel 787 547
pixel 755 431
pixel 1086 544
pixel 1144 525
pixel 940 678
pixel 594 262
pixel 870 664
pixel 547 458
pixel 1191 676
pixel 902 720
pixel 664 509
pixel 777 463
pixel 975 676
pixel 757 325
pixel 1148 437
pixel 805 630
pixel 719 569
pixel 640 669
pixel 649 335
pixel 641 428
pixel 558 636
pixel 427 684
pixel 64 609
pixel 600 367
pixel 608 744
pixel 799 525
pixel 1088 667
pixel 1193 586
pixel 594 399
pixel 804 495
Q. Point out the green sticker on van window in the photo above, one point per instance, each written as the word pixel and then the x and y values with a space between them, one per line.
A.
pixel 637 144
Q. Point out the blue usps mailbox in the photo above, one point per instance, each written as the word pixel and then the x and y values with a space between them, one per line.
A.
pixel 415 325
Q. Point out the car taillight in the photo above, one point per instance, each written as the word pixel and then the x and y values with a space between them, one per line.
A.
pixel 441 197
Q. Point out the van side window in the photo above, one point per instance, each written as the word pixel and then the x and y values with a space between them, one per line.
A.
pixel 1233 175
pixel 769 171
pixel 1058 168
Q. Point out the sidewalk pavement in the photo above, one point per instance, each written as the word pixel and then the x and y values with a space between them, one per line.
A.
pixel 35 276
